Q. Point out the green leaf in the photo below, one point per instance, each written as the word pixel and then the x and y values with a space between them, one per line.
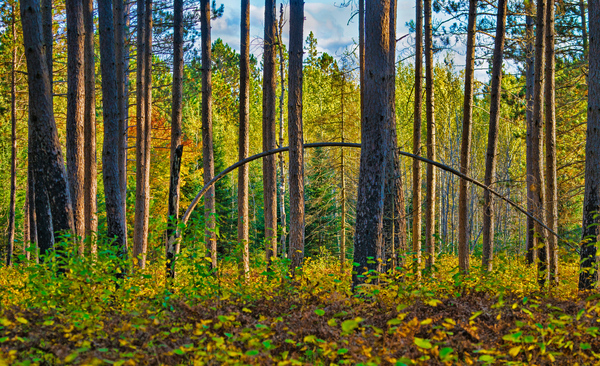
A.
pixel 487 358
pixel 444 352
pixel 585 346
pixel 320 312
pixel 252 352
pixel 394 321
pixel 423 343
pixel 341 351
pixel 512 337
pixel 179 351
pixel 351 324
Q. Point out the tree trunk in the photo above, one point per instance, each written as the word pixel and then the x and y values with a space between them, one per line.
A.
pixel 588 276
pixel 551 186
pixel 144 123
pixel 537 177
pixel 91 171
pixel 48 37
pixel 75 115
pixel 465 148
pixel 584 35
pixel 492 147
pixel 13 158
pixel 120 13
pixel 268 128
pixel 281 111
pixel 296 134
pixel 176 140
pixel 530 78
pixel 116 229
pixel 48 162
pixel 244 141
pixel 431 142
pixel 343 181
pixel 26 226
pixel 208 158
pixel 417 123
pixel 361 53
pixel 375 141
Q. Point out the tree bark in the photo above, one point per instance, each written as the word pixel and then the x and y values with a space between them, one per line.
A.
pixel 584 35
pixel 530 80
pixel 244 142
pixel 465 148
pixel 537 177
pixel 116 229
pixel 208 158
pixel 91 171
pixel 282 212
pixel 176 140
pixel 48 163
pixel 296 134
pixel 431 140
pixel 417 123
pixel 551 185
pixel 375 141
pixel 492 147
pixel 13 157
pixel 588 276
pixel 268 128
pixel 343 180
pixel 120 13
pixel 75 115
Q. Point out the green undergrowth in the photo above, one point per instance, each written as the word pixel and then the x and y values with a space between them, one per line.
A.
pixel 87 316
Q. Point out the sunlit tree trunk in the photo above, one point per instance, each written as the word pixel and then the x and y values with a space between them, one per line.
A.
pixel 13 141
pixel 537 177
pixel 492 147
pixel 531 253
pixel 551 186
pixel 244 142
pixel 90 185
pixel 465 148
pixel 430 202
pixel 375 141
pixel 417 123
pixel 172 246
pixel 283 218
pixel 588 276
pixel 584 32
pixel 268 128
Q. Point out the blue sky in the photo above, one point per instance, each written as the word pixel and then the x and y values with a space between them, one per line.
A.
pixel 325 18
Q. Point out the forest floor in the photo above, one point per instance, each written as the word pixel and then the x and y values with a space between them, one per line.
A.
pixel 498 318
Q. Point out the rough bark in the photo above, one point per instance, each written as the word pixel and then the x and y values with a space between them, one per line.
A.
pixel 281 190
pixel 90 185
pixel 465 148
pixel 75 115
pixel 431 139
pixel 492 147
pixel 537 178
pixel 120 13
pixel 116 229
pixel 244 142
pixel 268 128
pixel 343 181
pixel 531 253
pixel 296 134
pixel 48 37
pixel 361 53
pixel 375 141
pixel 13 142
pixel 208 158
pixel 417 123
pixel 584 35
pixel 172 246
pixel 588 276
pixel 51 177
pixel 551 186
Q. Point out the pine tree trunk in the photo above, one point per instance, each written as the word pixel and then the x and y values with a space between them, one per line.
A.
pixel 430 202
pixel 282 213
pixel 244 142
pixel 537 178
pixel 531 253
pixel 116 228
pixel 296 134
pixel 51 177
pixel 343 181
pixel 176 139
pixel 208 158
pixel 75 115
pixel 268 128
pixel 465 148
pixel 551 185
pixel 492 147
pixel 417 123
pixel 13 157
pixel 588 276
pixel 584 35
pixel 375 141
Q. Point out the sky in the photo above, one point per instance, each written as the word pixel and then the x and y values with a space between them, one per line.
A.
pixel 325 18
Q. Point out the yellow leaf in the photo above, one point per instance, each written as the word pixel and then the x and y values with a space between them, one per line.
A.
pixel 426 321
pixel 22 320
pixel 514 351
